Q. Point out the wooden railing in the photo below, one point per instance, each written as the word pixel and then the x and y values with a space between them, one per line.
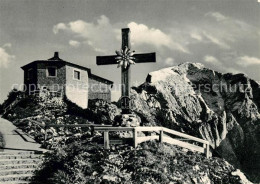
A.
pixel 161 137
pixel 46 126
pixel 164 135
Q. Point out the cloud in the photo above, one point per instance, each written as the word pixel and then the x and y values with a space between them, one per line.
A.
pixel 5 58
pixel 216 41
pixel 7 45
pixel 99 35
pixel 229 21
pixel 169 61
pixel 214 61
pixel 216 15
pixel 142 34
pixel 248 61
pixel 82 28
pixel 74 43
pixel 230 28
pixel 211 60
pixel 196 36
pixel 58 27
pixel 232 70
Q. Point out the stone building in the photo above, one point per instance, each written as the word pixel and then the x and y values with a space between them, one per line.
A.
pixel 58 77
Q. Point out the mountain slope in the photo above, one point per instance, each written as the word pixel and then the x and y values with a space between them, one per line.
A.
pixel 86 162
pixel 222 108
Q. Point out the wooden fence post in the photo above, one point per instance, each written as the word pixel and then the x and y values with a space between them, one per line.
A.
pixel 135 138
pixel 206 147
pixel 106 140
pixel 161 136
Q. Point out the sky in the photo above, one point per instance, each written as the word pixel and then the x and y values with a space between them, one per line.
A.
pixel 224 35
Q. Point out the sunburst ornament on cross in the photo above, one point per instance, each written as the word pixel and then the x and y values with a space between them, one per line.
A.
pixel 125 57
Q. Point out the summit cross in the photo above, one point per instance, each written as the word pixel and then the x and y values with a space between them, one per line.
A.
pixel 124 59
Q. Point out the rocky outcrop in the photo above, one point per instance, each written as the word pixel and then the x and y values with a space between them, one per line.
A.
pixel 221 108
pixel 150 163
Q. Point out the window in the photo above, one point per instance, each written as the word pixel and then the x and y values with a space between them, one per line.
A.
pixel 51 72
pixel 76 74
pixel 30 74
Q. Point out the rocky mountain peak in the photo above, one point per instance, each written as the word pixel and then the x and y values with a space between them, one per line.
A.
pixel 221 108
pixel 181 69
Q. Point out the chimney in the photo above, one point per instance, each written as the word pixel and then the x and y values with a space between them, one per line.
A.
pixel 55 57
pixel 56 54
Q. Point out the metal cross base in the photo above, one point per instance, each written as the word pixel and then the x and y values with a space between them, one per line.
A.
pixel 127 120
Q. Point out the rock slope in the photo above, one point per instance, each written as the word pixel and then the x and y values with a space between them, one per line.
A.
pixel 151 163
pixel 221 108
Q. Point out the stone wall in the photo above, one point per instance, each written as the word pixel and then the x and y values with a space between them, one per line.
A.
pixel 52 83
pixel 99 90
pixel 77 90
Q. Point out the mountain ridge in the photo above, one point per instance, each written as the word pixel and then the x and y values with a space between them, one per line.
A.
pixel 221 108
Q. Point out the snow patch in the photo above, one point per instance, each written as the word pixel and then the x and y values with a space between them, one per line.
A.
pixel 197 65
pixel 161 75
pixel 186 79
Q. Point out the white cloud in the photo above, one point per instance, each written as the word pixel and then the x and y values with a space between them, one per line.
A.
pixel 99 35
pixel 169 61
pixel 5 58
pixel 216 41
pixel 232 70
pixel 7 45
pixel 247 61
pixel 211 60
pixel 196 36
pixel 231 29
pixel 214 61
pixel 218 16
pixel 142 34
pixel 58 27
pixel 74 43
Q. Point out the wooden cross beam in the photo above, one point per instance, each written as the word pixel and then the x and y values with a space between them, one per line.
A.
pixel 124 59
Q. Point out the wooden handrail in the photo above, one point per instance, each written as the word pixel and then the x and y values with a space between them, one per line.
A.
pixel 148 129
pixel 45 126
pixel 185 135
pixel 77 125
pixel 113 129
pixel 136 140
pixel 67 125
pixel 161 137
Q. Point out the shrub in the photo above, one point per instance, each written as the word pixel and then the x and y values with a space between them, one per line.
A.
pixel 85 162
